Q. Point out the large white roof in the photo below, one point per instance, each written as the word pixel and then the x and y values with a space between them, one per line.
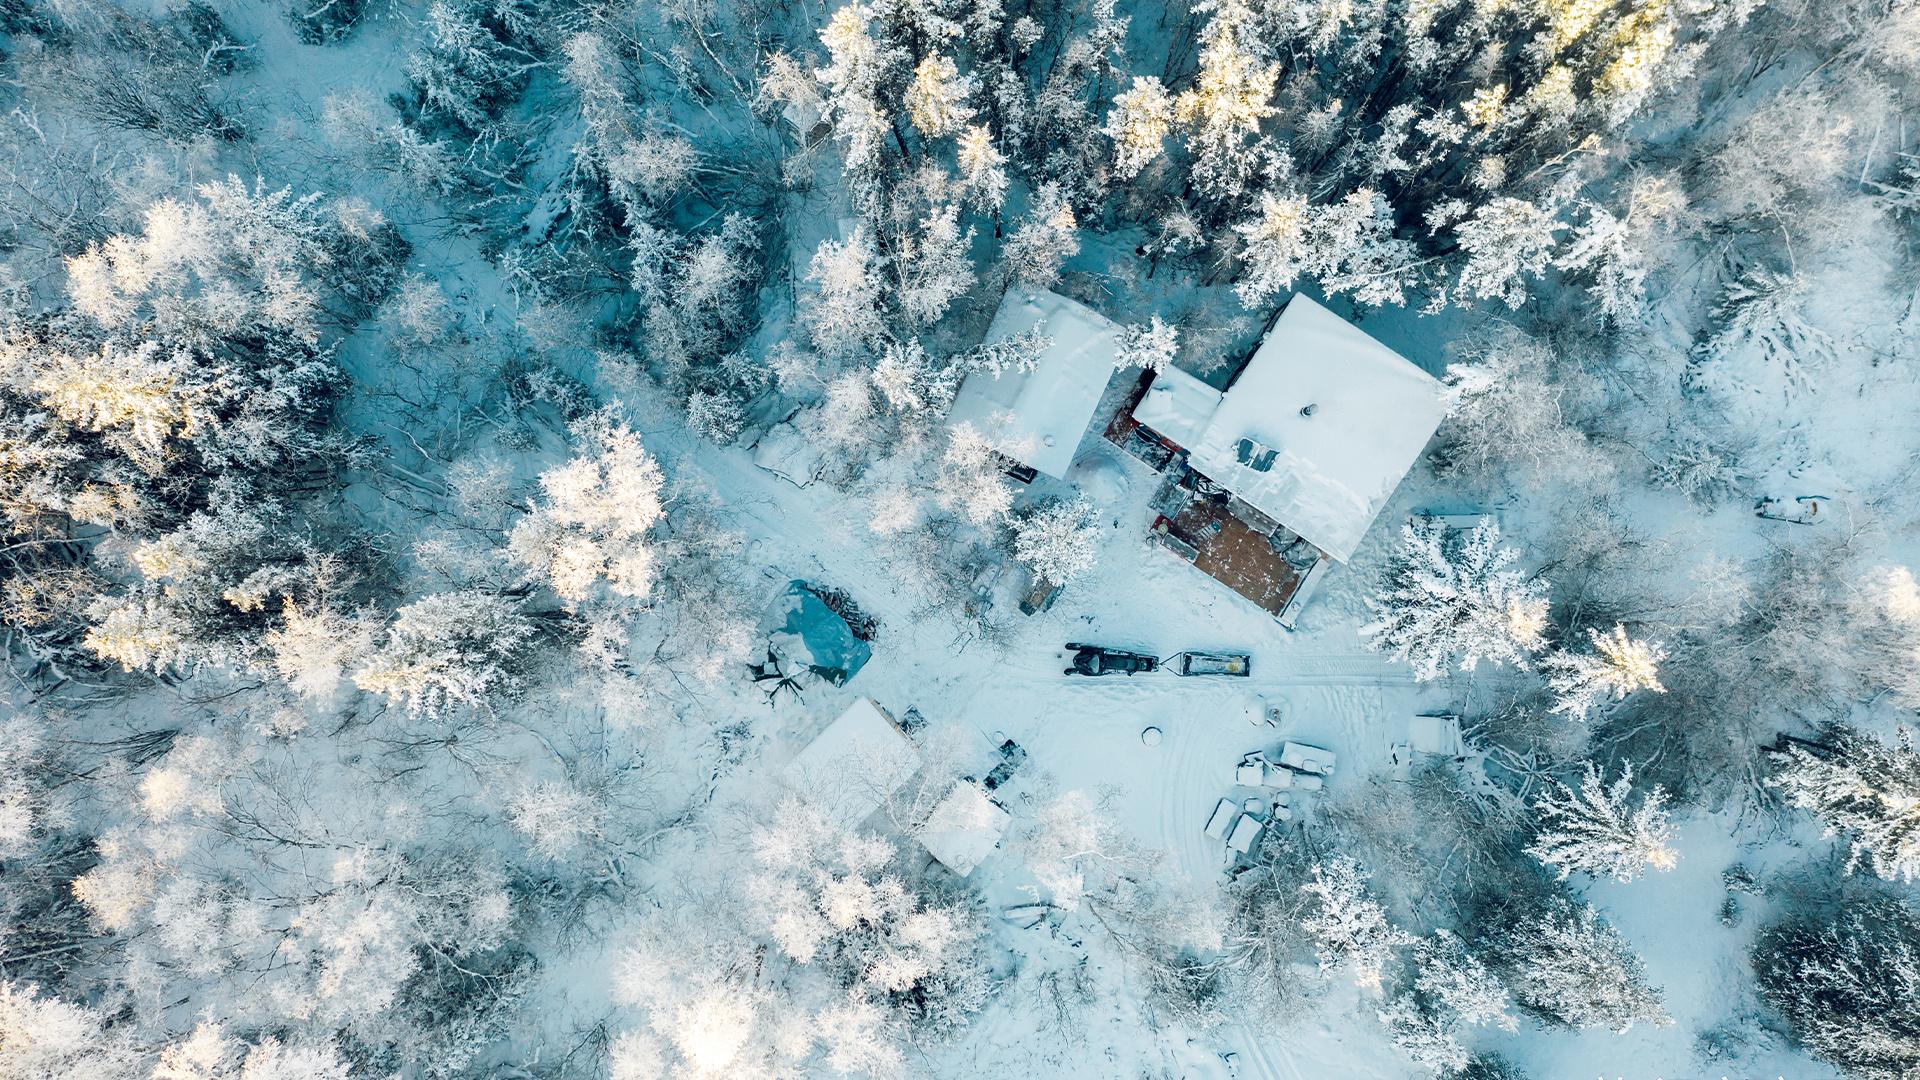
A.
pixel 850 768
pixel 1329 473
pixel 964 828
pixel 1037 417
pixel 1177 405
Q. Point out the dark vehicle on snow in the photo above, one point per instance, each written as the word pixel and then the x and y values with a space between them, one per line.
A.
pixel 1100 660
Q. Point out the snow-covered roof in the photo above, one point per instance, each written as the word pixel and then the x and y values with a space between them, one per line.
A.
pixel 964 828
pixel 1177 405
pixel 850 768
pixel 1037 417
pixel 1324 475
pixel 1438 735
pixel 789 455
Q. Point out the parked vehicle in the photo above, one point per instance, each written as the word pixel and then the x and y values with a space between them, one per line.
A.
pixel 1201 663
pixel 1100 660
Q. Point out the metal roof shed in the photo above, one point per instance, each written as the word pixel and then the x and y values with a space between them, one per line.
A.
pixel 1037 417
pixel 854 764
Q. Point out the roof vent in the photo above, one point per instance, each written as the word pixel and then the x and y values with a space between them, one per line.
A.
pixel 1310 409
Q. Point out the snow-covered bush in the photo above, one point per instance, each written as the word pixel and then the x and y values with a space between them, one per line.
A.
pixel 1058 541
pixel 1865 790
pixel 1455 600
pixel 1595 830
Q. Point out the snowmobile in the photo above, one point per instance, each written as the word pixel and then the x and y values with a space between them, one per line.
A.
pixel 1100 660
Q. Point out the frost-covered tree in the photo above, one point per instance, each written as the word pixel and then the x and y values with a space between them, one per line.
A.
pixel 1507 242
pixel 1569 965
pixel 1450 600
pixel 831 896
pixel 1348 246
pixel 846 317
pixel 209 1054
pixel 1349 926
pixel 970 481
pixel 44 1038
pixel 1228 99
pixel 1151 345
pixel 983 173
pixel 1615 253
pixel 1617 666
pixel 1074 849
pixel 469 64
pixel 1138 124
pixel 1044 239
pixel 591 528
pixel 936 98
pixel 1595 829
pixel 1762 315
pixel 556 817
pixel 449 649
pixel 933 265
pixel 1849 986
pixel 1427 1038
pixel 1059 541
pixel 1450 977
pixel 1509 413
pixel 1864 789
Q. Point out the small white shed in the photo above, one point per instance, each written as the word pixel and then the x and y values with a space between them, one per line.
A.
pixel 854 764
pixel 1037 417
pixel 1177 406
pixel 964 828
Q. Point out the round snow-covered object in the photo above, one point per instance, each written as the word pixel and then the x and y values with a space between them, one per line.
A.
pixel 1151 736
pixel 1099 477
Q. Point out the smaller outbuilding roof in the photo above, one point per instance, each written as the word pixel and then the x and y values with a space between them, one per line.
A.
pixel 1037 417
pixel 1177 406
pixel 854 764
pixel 1320 427
pixel 964 828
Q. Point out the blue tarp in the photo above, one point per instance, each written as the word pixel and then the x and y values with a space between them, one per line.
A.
pixel 805 631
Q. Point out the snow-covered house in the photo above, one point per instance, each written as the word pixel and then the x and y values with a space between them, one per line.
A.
pixel 1037 417
pixel 854 764
pixel 964 828
pixel 1287 468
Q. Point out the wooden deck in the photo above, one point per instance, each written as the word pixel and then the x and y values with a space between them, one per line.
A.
pixel 1231 552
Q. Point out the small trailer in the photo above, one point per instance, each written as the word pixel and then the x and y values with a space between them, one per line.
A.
pixel 1100 660
pixel 1202 663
